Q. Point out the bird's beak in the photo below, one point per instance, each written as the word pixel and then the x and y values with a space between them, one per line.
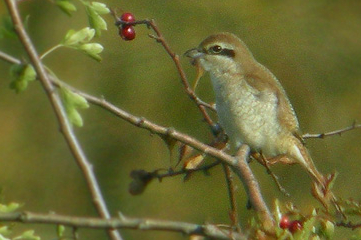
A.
pixel 194 54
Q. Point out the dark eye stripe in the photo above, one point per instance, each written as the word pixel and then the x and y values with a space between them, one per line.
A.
pixel 225 52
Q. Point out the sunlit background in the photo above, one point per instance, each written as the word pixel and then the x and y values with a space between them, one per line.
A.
pixel 313 47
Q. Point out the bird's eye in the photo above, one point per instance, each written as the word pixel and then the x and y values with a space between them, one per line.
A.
pixel 216 49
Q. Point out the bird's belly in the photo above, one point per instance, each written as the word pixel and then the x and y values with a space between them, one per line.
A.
pixel 248 118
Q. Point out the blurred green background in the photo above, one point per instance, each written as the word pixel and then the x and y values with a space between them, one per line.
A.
pixel 313 47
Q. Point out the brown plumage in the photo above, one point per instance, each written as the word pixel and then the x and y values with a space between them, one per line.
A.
pixel 252 106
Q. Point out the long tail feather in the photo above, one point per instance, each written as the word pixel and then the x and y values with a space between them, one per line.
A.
pixel 300 153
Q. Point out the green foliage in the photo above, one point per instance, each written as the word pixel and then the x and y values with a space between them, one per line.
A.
pixel 60 229
pixel 22 74
pixel 7 28
pixel 72 102
pixel 11 207
pixel 75 38
pixel 3 238
pixel 66 6
pixel 316 225
pixel 94 10
pixel 6 231
pixel 80 40
pixel 27 235
pixel 92 50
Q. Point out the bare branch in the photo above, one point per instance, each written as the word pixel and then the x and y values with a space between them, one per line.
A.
pixel 332 133
pixel 9 58
pixel 232 196
pixel 250 183
pixel 351 225
pixel 60 113
pixel 160 176
pixel 208 230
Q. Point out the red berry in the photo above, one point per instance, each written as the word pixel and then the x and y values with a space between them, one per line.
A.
pixel 285 222
pixel 127 17
pixel 295 226
pixel 127 33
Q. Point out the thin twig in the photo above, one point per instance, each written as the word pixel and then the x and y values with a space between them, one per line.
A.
pixel 61 116
pixel 175 57
pixel 332 133
pixel 207 230
pixel 232 196
pixel 351 225
pixel 201 105
pixel 169 173
pixel 264 162
pixel 9 58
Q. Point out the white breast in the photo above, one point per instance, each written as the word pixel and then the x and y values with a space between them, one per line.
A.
pixel 247 115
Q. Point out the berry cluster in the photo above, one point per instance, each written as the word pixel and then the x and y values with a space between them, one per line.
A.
pixel 292 226
pixel 126 31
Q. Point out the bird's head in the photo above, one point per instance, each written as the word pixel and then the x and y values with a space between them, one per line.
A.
pixel 222 53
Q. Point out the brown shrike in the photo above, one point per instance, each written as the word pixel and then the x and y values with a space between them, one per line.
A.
pixel 251 104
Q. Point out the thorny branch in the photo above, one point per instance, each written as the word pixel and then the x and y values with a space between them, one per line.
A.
pixel 61 116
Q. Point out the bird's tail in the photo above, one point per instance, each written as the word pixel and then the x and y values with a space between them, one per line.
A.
pixel 300 153
pixel 321 184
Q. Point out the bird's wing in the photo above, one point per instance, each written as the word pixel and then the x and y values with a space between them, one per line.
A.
pixel 263 80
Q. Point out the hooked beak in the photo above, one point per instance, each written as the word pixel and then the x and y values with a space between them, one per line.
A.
pixel 194 54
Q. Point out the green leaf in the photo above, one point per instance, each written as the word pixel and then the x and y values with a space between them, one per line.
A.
pixel 75 117
pixel 66 6
pixel 29 73
pixel 7 28
pixel 22 74
pixel 18 86
pixel 93 50
pixel 307 231
pixel 11 207
pixel 5 230
pixel 3 238
pixel 60 230
pixel 329 229
pixel 277 210
pixel 72 101
pixel 95 20
pixel 100 8
pixel 28 235
pixel 73 38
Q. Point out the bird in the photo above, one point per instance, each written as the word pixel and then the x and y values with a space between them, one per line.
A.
pixel 251 104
